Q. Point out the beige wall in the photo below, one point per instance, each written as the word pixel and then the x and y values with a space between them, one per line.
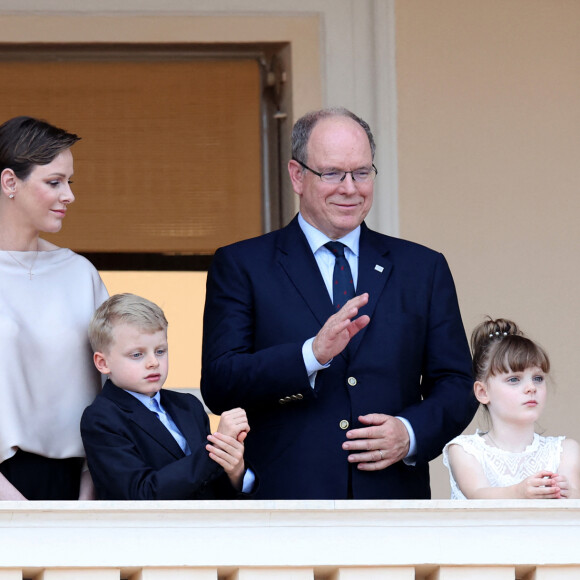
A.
pixel 489 165
pixel 182 296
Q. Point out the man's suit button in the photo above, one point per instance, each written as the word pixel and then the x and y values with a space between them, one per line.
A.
pixel 344 424
pixel 299 396
pixel 352 381
pixel 281 401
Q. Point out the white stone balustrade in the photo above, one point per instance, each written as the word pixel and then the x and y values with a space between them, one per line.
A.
pixel 290 540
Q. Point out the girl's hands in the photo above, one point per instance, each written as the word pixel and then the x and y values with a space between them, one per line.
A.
pixel 543 485
pixel 561 482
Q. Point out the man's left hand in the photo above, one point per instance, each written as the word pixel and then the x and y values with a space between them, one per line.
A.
pixel 384 442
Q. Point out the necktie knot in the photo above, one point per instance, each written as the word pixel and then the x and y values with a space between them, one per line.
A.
pixel 337 248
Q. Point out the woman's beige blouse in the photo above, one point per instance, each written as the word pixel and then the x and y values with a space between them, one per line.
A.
pixel 47 376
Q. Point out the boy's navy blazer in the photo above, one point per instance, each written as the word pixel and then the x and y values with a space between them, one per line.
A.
pixel 132 456
pixel 265 297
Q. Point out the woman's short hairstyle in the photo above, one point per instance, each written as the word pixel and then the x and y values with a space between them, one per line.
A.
pixel 303 128
pixel 26 142
pixel 124 309
pixel 499 346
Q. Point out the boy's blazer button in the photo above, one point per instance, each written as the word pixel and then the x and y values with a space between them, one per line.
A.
pixel 352 381
pixel 343 424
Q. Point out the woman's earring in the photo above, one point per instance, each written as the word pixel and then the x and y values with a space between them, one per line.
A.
pixel 11 196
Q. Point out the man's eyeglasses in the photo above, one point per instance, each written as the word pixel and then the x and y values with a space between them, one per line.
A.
pixel 359 175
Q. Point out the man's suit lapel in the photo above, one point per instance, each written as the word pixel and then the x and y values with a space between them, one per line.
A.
pixel 374 270
pixel 142 417
pixel 297 260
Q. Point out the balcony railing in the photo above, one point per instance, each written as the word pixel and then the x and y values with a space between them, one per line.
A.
pixel 290 540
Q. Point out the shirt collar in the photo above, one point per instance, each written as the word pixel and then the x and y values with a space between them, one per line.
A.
pixel 145 399
pixel 316 239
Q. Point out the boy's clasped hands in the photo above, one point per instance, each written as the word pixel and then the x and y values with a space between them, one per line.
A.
pixel 226 445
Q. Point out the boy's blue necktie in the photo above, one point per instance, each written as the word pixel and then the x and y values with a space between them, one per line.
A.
pixel 342 283
pixel 170 425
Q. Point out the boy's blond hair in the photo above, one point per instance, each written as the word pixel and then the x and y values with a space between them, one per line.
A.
pixel 124 309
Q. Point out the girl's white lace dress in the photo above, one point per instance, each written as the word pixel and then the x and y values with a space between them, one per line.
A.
pixel 503 468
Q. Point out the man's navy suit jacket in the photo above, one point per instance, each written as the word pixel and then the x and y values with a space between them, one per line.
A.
pixel 131 455
pixel 266 297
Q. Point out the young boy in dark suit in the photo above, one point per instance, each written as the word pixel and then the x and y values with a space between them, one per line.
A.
pixel 143 442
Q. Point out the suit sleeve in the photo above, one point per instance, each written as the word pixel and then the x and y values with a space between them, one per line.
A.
pixel 448 403
pixel 240 369
pixel 124 465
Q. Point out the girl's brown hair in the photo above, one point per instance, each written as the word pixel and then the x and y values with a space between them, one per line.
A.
pixel 499 346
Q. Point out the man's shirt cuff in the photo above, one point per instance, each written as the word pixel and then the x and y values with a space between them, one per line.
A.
pixel 410 458
pixel 310 362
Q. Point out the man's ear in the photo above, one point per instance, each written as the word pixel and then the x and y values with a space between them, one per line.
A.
pixel 296 176
pixel 480 391
pixel 101 363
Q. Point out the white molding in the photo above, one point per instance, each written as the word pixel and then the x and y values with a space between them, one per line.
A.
pixel 357 52
pixel 274 534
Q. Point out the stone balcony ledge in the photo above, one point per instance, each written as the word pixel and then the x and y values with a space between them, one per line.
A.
pixel 319 537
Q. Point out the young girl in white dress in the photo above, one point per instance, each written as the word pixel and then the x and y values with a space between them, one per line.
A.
pixel 511 460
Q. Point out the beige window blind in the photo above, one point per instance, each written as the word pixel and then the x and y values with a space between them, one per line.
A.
pixel 170 157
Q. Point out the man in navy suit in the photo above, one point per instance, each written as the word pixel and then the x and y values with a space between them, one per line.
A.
pixel 344 400
pixel 145 442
